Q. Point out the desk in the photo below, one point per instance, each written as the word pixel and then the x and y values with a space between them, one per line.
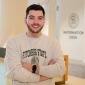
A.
pixel 74 81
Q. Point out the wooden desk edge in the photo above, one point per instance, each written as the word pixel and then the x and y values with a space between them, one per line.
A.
pixel 66 60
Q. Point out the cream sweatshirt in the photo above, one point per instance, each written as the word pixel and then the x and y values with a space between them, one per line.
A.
pixel 23 48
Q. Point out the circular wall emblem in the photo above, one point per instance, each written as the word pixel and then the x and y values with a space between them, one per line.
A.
pixel 73 20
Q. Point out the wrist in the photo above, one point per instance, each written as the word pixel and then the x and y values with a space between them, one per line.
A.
pixel 37 70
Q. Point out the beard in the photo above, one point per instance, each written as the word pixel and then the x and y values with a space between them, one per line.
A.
pixel 29 27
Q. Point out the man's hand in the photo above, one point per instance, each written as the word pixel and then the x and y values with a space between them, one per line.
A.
pixel 27 66
pixel 43 78
pixel 52 62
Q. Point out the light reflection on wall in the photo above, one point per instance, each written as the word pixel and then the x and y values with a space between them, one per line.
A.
pixel 0 13
pixel 0 21
pixel 12 21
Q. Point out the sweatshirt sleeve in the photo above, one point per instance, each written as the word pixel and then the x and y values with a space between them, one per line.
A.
pixel 14 69
pixel 59 68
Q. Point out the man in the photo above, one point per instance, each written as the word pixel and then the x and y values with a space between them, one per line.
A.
pixel 33 58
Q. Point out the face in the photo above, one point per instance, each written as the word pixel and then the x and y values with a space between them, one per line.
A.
pixel 35 21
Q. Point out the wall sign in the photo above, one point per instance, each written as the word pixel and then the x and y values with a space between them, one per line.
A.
pixel 73 20
pixel 74 32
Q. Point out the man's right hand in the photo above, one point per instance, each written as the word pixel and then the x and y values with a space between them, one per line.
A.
pixel 52 62
pixel 43 78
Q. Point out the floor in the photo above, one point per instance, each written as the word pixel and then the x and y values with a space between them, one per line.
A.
pixel 75 81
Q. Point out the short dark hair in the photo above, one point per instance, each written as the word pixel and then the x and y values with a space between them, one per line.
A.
pixel 35 7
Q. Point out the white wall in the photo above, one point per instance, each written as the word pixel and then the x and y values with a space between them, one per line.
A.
pixel 84 34
pixel 72 44
pixel 12 18
pixel 52 18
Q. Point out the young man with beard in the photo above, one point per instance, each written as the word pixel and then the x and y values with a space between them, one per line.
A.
pixel 33 58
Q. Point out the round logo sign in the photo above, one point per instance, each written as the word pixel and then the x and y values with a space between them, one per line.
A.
pixel 73 20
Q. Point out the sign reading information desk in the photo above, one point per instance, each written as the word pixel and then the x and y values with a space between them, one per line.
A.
pixel 71 29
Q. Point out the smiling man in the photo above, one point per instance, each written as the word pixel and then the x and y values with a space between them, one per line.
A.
pixel 33 58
